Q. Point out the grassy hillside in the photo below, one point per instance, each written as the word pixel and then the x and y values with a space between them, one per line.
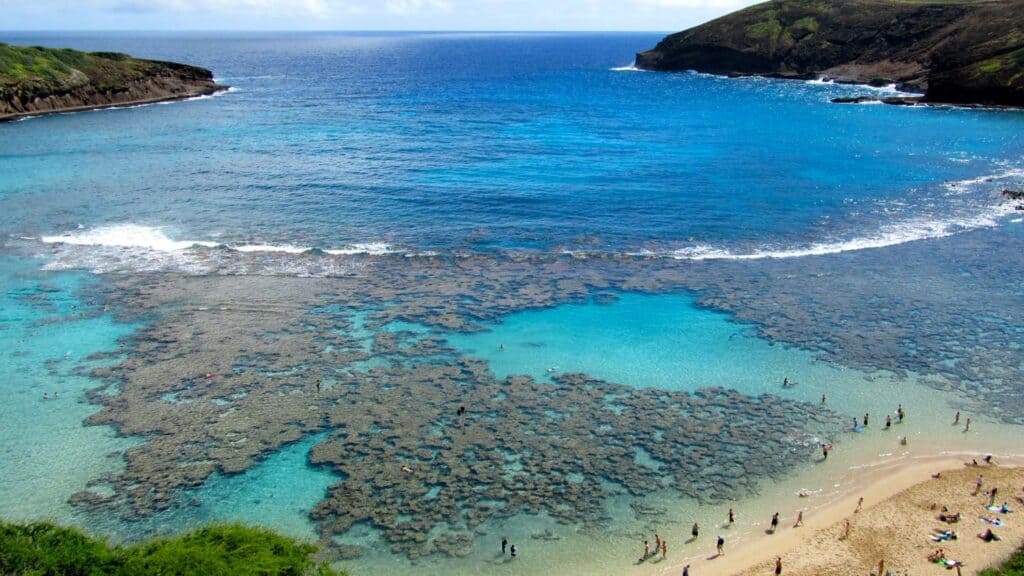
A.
pixel 34 79
pixel 45 549
pixel 956 51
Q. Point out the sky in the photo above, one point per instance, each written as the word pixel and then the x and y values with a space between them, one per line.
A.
pixel 491 15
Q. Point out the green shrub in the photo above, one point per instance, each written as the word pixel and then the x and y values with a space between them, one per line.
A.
pixel 1013 567
pixel 43 549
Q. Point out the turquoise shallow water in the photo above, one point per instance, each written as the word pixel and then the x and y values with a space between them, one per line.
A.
pixel 46 334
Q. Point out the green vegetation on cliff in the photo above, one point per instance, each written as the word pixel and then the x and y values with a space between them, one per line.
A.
pixel 36 80
pixel 952 50
pixel 43 549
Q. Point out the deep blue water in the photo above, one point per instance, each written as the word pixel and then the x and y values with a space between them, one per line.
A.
pixel 483 142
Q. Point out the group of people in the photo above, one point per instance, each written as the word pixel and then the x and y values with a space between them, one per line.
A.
pixel 511 550
pixel 660 546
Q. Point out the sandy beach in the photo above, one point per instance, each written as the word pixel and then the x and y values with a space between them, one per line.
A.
pixel 902 502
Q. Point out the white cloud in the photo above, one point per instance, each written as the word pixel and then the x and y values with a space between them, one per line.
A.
pixel 407 7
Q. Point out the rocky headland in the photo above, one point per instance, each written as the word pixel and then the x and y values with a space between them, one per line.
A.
pixel 36 80
pixel 951 51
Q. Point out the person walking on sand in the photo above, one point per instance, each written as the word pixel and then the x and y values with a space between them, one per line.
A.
pixel 846 529
pixel 978 484
pixel 778 565
pixel 647 551
pixel 799 519
pixel 686 570
pixel 721 545
pixel 775 522
pixel 992 496
pixel 860 504
pixel 657 542
pixel 664 549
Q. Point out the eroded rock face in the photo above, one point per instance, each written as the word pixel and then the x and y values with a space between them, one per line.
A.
pixel 953 52
pixel 79 80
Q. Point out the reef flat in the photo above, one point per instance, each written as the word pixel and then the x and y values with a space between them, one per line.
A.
pixel 224 373
pixel 220 381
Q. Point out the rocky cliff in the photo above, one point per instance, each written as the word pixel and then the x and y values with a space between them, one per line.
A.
pixel 969 52
pixel 35 80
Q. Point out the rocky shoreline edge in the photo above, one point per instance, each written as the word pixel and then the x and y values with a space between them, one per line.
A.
pixel 211 91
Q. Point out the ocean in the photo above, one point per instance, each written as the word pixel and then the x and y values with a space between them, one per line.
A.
pixel 613 271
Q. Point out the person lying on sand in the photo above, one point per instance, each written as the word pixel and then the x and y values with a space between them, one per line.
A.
pixel 989 536
pixel 949 518
pixel 943 535
pixel 992 521
pixel 937 556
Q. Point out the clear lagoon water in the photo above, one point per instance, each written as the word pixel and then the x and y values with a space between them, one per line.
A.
pixel 361 145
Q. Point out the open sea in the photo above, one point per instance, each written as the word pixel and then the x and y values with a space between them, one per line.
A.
pixel 423 220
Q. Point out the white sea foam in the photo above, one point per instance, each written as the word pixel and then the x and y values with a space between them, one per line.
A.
pixel 631 68
pixel 134 239
pixel 125 236
pixel 901 232
pixel 886 89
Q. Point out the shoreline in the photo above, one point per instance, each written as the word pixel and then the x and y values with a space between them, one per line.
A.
pixel 887 482
pixel 127 104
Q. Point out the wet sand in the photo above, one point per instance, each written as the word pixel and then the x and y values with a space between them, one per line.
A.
pixel 894 524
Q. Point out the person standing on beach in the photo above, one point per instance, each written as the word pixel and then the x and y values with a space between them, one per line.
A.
pixel 956 419
pixel 900 413
pixel 865 420
pixel 888 422
pixel 799 519
pixel 860 504
pixel 775 522
pixel 978 484
pixel 778 565
pixel 504 545
pixel 647 551
pixel 686 570
pixel 733 518
pixel 992 496
pixel 695 531
pixel 664 549
pixel 657 542
pixel 721 545
pixel 967 428
pixel 846 529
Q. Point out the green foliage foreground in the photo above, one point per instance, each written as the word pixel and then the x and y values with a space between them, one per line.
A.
pixel 1013 567
pixel 44 549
